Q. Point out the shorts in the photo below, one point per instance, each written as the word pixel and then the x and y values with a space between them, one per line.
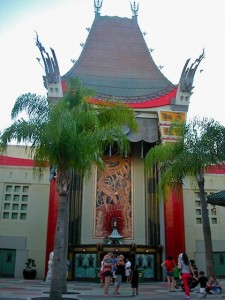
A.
pixel 114 274
pixel 107 273
pixel 169 274
pixel 118 280
pixel 134 285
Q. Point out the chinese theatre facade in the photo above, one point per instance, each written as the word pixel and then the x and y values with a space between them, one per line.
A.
pixel 118 210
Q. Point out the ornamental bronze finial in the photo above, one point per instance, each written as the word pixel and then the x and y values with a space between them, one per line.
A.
pixel 97 5
pixel 134 8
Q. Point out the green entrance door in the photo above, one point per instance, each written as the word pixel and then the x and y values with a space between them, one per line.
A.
pixel 219 261
pixel 7 262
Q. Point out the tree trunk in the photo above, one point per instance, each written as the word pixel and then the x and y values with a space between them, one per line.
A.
pixel 206 226
pixel 66 238
pixel 59 261
pixel 58 258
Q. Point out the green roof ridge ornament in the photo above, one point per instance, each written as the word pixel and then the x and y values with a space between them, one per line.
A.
pixel 134 9
pixel 97 5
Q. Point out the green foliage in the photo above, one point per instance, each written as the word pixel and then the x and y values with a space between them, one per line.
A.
pixel 30 264
pixel 76 93
pixel 72 133
pixel 200 144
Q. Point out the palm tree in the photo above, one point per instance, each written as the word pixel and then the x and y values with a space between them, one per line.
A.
pixel 71 135
pixel 200 144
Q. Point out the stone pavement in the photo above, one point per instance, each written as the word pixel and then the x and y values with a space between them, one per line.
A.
pixel 19 289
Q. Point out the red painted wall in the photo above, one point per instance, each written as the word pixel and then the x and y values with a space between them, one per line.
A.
pixel 174 224
pixel 13 161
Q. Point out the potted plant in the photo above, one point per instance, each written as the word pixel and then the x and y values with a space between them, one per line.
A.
pixel 30 271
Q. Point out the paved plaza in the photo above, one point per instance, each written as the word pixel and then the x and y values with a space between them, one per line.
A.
pixel 19 289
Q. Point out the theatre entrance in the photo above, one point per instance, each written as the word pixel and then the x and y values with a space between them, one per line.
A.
pixel 85 260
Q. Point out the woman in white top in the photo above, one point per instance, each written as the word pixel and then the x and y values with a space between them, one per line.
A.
pixel 186 270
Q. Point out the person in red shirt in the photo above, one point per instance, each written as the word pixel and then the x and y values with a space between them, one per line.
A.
pixel 168 264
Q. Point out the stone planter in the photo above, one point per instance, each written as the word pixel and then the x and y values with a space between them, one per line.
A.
pixel 29 274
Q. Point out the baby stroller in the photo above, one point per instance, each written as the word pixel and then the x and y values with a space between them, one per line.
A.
pixel 193 282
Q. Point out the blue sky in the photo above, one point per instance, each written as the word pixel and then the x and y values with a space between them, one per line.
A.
pixel 177 30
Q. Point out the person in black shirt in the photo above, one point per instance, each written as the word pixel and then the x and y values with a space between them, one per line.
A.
pixel 120 269
pixel 134 280
pixel 202 279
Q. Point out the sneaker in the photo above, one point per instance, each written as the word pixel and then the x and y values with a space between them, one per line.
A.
pixel 187 297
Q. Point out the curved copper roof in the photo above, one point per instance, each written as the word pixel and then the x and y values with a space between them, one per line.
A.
pixel 116 63
pixel 217 198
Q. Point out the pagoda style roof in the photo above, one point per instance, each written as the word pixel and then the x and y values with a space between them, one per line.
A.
pixel 117 64
pixel 217 198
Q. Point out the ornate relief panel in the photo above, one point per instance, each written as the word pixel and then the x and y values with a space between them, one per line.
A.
pixel 114 198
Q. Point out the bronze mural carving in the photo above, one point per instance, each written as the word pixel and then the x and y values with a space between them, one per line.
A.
pixel 114 198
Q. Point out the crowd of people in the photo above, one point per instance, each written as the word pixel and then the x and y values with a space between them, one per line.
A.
pixel 181 275
pixel 113 269
pixel 185 275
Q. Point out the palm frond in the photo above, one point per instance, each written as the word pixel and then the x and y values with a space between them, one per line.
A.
pixel 22 131
pixel 200 144
pixel 35 106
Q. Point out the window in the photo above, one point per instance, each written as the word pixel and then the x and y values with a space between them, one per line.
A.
pixel 198 220
pixel 15 204
pixel 214 220
pixel 212 210
pixel 24 198
pixel 198 212
pixel 197 203
pixel 9 188
pixel 7 197
pixel 7 206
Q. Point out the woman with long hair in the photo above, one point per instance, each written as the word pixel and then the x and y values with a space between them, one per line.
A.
pixel 107 271
pixel 186 270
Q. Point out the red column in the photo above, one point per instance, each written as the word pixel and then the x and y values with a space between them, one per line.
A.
pixel 52 218
pixel 174 224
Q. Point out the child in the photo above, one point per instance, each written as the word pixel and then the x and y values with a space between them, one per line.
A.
pixel 202 280
pixel 134 280
pixel 213 286
pixel 176 276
